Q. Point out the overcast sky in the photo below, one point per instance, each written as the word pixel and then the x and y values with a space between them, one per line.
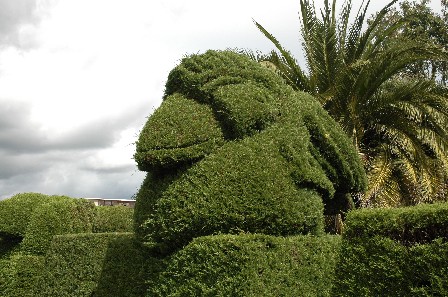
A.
pixel 78 79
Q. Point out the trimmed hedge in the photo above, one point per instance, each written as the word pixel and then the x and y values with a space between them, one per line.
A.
pixel 395 252
pixel 233 148
pixel 59 216
pixel 15 212
pixel 250 265
pixel 113 219
pixel 95 264
pixel 20 275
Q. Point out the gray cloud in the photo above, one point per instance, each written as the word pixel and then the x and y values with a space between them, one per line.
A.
pixel 33 161
pixel 63 179
pixel 18 19
pixel 18 134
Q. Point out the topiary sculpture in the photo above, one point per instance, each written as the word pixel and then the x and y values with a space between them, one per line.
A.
pixel 233 149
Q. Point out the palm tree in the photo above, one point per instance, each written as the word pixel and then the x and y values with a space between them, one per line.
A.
pixel 398 123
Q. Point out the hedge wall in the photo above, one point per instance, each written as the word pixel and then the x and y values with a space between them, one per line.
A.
pixel 249 265
pixel 113 219
pixel 395 252
pixel 58 216
pixel 20 275
pixel 94 264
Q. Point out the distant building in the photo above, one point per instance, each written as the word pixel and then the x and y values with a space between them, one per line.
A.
pixel 112 202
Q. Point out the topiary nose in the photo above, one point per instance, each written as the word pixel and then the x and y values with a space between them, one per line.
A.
pixel 181 130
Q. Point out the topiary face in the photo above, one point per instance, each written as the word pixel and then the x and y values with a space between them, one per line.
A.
pixel 234 149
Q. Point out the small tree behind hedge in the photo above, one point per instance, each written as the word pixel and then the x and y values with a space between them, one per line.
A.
pixel 113 219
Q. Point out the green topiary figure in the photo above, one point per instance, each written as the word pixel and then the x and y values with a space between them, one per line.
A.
pixel 233 149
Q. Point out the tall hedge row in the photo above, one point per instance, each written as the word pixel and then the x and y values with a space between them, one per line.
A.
pixel 95 264
pixel 249 265
pixel 61 216
pixel 395 252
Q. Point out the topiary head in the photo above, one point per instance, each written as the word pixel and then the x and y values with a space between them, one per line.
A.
pixel 209 99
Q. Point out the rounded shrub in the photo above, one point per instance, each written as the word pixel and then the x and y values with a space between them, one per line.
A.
pixel 15 212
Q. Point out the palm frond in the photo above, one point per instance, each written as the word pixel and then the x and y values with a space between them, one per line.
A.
pixel 360 76
pixel 301 81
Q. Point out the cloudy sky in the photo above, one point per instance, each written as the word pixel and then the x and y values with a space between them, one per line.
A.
pixel 78 79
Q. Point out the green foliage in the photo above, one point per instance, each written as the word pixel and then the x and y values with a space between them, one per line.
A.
pixel 20 275
pixel 127 261
pixel 201 204
pixel 249 265
pixel 418 224
pixel 275 155
pixel 394 252
pixel 151 189
pixel 95 264
pixel 59 216
pixel 113 219
pixel 15 212
pixel 397 122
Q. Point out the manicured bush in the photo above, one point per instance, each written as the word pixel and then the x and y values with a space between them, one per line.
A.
pixel 60 216
pixel 395 252
pixel 233 148
pixel 113 219
pixel 95 264
pixel 250 265
pixel 15 212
